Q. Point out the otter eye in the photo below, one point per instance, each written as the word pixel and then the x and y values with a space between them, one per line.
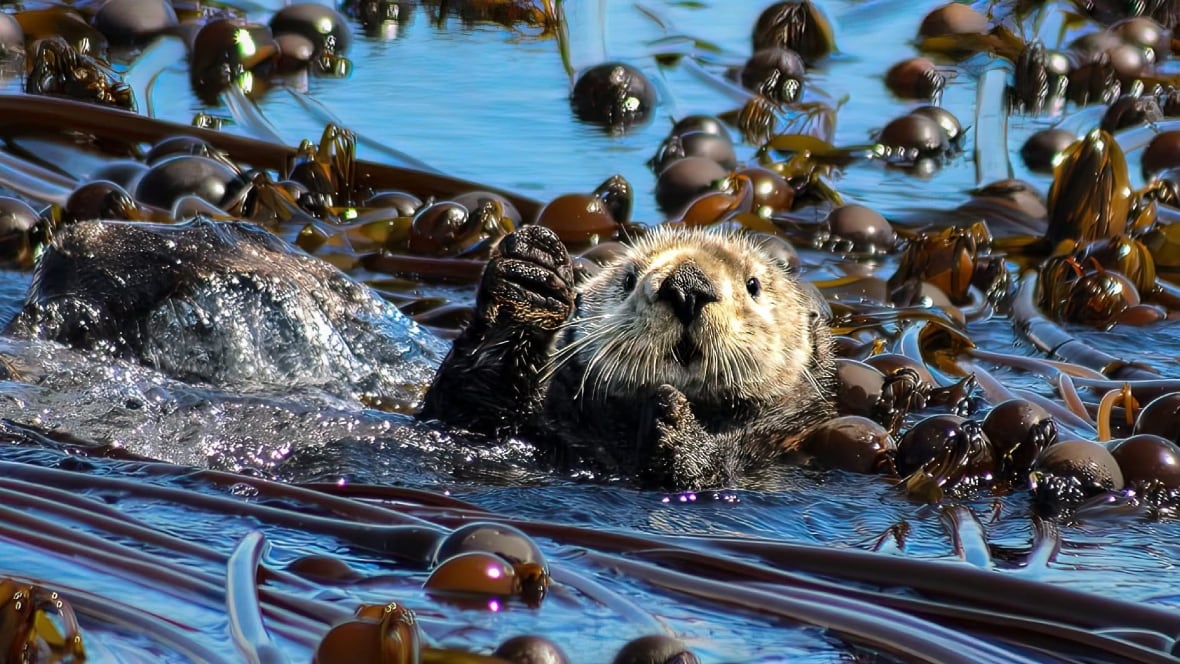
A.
pixel 629 282
pixel 753 286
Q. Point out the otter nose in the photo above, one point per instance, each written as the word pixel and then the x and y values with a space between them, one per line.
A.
pixel 687 289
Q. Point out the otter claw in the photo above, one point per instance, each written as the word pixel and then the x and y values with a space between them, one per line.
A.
pixel 672 408
pixel 674 461
pixel 537 244
pixel 528 280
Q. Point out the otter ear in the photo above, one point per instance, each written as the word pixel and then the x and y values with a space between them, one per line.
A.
pixel 780 252
pixel 817 304
pixel 789 268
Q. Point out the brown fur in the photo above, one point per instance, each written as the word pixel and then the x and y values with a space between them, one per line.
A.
pixel 628 386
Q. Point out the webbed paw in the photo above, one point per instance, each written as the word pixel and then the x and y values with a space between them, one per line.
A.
pixel 678 455
pixel 672 411
pixel 529 280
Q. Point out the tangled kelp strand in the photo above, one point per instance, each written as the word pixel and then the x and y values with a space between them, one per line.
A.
pixel 879 628
pixel 242 602
pixel 1051 338
pixel 24 113
pixel 809 167
pixel 672 555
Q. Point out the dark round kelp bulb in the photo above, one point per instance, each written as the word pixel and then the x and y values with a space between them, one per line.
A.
pixel 98 199
pixel 915 78
pixel 1147 459
pixel 472 200
pixel 861 229
pixel 951 127
pixel 177 176
pixel 1161 154
pixel 508 542
pixel 17 221
pixel 440 228
pixel 771 190
pixel 123 172
pixel 1018 430
pixel 944 437
pixel 1161 416
pixel 853 443
pixel 295 53
pixel 953 19
pixel 918 133
pixel 475 573
pixel 1091 464
pixel 578 218
pixel 704 123
pixel 1042 149
pixel 405 203
pixel 531 650
pixel 858 388
pixel 718 147
pixel 684 179
pixel 177 145
pixel 226 52
pixel 614 95
pixel 799 25
pixel 655 649
pixel 892 363
pixel 324 26
pixel 775 72
pixel 134 21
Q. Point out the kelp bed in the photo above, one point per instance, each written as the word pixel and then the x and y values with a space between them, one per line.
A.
pixel 998 488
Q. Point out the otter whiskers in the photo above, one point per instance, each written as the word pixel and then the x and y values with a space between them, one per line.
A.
pixel 564 354
pixel 819 390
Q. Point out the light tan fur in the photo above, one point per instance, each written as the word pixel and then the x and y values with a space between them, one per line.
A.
pixel 751 347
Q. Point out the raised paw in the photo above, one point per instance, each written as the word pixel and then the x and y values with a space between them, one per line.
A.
pixel 529 280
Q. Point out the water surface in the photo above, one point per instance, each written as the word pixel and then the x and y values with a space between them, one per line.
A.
pixel 489 104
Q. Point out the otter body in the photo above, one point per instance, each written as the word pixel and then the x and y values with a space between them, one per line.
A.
pixel 226 303
pixel 688 362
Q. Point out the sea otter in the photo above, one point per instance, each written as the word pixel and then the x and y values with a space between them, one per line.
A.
pixel 692 359
pixel 688 361
pixel 224 303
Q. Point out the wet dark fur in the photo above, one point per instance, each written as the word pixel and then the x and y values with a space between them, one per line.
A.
pixel 230 304
pixel 496 381
pixel 223 303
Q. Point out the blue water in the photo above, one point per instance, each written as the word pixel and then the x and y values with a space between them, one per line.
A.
pixel 489 103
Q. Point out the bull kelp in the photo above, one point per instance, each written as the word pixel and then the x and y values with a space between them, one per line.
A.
pixel 1005 449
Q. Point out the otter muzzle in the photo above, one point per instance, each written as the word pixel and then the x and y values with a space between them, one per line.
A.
pixel 687 290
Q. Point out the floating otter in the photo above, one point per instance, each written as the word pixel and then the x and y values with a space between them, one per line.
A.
pixel 224 303
pixel 689 361
pixel 684 363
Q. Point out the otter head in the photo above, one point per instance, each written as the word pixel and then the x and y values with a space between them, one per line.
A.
pixel 718 316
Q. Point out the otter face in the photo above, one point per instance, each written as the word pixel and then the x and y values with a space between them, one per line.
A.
pixel 714 315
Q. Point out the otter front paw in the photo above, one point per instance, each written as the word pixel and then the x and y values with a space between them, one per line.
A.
pixel 679 456
pixel 528 280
